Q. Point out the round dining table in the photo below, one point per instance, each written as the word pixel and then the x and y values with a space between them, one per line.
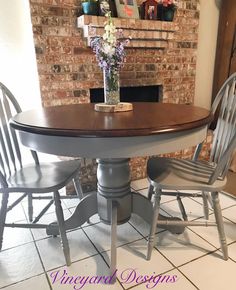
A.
pixel 112 138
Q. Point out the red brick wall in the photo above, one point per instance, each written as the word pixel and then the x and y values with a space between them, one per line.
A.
pixel 67 67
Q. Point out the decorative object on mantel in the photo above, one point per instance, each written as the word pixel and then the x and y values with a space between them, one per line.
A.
pixel 127 9
pixel 150 9
pixel 168 9
pixel 90 7
pixel 104 7
pixel 107 5
pixel 110 54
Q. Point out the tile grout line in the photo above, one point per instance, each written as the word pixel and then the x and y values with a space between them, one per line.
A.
pixel 100 254
pixel 43 273
pixel 40 258
pixel 175 267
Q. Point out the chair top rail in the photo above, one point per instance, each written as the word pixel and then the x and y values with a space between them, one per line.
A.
pixel 226 120
pixel 221 92
pixel 10 153
pixel 5 115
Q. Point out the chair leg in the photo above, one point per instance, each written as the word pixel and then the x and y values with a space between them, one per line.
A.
pixel 156 209
pixel 30 207
pixel 205 205
pixel 78 187
pixel 220 224
pixel 113 237
pixel 150 192
pixel 62 228
pixel 3 214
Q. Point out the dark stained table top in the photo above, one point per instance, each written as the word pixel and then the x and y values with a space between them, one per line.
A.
pixel 82 121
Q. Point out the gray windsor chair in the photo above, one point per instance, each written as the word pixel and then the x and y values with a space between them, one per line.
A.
pixel 30 179
pixel 177 174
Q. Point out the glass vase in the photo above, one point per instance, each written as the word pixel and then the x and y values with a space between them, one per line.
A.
pixel 111 86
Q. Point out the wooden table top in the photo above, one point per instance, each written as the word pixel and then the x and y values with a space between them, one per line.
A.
pixel 82 120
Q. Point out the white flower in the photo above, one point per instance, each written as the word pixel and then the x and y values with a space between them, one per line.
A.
pixel 109 37
pixel 110 32
pixel 110 28
pixel 108 49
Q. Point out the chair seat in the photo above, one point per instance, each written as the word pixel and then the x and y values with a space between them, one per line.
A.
pixel 177 174
pixel 45 177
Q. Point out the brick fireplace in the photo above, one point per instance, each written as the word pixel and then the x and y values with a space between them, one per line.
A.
pixel 68 69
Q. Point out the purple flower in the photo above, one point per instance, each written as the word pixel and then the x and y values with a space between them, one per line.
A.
pixel 109 48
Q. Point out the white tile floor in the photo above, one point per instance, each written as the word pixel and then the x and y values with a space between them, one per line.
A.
pixel 192 260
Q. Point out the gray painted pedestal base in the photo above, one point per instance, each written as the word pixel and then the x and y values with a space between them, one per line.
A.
pixel 114 203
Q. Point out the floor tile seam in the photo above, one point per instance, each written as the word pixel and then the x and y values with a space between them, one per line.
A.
pixel 231 259
pixel 41 261
pixel 198 258
pixel 23 280
pixel 16 221
pixel 45 214
pixel 30 229
pixel 162 254
pixel 176 266
pixel 73 262
pixel 194 219
pixel 136 229
pixel 125 244
pixel 51 236
pixel 90 225
pixel 233 222
pixel 142 188
pixel 188 279
pixel 228 207
pixel 19 245
pixel 205 240
pixel 228 194
pixel 100 254
pixel 169 215
pixel 229 244
pixel 145 237
pixel 198 202
pixel 26 217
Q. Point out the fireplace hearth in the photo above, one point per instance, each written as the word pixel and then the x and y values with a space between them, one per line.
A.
pixel 131 94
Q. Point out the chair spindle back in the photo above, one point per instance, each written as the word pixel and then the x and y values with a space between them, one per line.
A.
pixel 225 130
pixel 10 153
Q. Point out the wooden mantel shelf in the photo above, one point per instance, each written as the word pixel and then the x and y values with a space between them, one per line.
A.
pixel 143 33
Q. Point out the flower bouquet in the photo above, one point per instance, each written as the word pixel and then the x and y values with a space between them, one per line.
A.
pixel 110 54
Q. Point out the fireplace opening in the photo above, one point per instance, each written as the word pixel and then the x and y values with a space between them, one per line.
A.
pixel 130 94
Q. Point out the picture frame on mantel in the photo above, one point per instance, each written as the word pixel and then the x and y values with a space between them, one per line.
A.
pixel 104 7
pixel 150 9
pixel 127 9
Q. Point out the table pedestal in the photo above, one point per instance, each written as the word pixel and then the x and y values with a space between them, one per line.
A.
pixel 114 203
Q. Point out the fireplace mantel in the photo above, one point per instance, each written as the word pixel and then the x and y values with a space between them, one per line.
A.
pixel 143 33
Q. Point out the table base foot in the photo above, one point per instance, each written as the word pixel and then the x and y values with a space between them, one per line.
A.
pixel 86 208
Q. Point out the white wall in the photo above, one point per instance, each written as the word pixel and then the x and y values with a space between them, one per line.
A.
pixel 208 28
pixel 18 69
